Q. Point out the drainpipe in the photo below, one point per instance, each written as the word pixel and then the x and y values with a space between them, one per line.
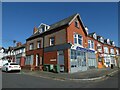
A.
pixel 43 51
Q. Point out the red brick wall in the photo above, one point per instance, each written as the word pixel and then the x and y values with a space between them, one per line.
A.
pixel 34 52
pixel 67 60
pixel 22 61
pixel 50 55
pixel 72 29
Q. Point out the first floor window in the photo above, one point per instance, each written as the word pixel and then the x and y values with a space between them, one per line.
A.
pixel 75 38
pixel 39 44
pixel 31 46
pixel 52 41
pixel 105 49
pixel 91 44
pixel 78 39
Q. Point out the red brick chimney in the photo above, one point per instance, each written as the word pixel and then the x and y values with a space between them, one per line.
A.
pixel 35 30
pixel 18 44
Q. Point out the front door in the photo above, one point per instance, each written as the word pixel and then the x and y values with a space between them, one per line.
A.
pixel 37 60
pixel 61 60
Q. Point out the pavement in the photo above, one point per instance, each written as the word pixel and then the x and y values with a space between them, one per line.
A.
pixel 91 74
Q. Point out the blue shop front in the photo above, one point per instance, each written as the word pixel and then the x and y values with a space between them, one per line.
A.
pixel 82 59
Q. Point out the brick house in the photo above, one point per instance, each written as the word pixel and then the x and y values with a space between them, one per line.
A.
pixel 65 43
pixel 19 54
pixel 105 51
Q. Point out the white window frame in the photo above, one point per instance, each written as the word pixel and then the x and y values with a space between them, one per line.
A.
pixel 90 43
pixel 75 34
pixel 101 39
pixel 31 46
pixel 51 41
pixel 112 51
pixel 38 44
pixel 106 49
pixel 99 49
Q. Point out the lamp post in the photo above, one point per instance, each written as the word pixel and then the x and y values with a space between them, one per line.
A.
pixel 14 41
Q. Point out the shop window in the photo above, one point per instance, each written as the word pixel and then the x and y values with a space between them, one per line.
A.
pixel 29 60
pixel 73 54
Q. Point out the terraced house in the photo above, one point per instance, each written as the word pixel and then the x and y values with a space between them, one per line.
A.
pixel 67 45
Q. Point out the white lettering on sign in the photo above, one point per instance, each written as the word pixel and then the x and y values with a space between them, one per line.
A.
pixel 52 59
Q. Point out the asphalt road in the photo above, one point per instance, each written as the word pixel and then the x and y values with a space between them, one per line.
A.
pixel 18 80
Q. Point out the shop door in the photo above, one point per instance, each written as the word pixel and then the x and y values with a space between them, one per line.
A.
pixel 61 60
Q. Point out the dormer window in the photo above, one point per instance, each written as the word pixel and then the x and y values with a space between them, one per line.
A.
pixel 43 27
pixel 101 39
pixel 94 35
pixel 113 43
pixel 108 41
pixel 76 24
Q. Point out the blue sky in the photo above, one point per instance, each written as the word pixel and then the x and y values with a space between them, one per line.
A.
pixel 19 19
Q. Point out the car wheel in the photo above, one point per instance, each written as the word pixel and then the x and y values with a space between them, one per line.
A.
pixel 6 69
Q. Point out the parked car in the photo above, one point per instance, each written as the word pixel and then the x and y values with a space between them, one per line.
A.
pixel 2 62
pixel 11 67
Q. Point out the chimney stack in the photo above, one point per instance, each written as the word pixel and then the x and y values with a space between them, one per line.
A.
pixel 35 30
pixel 18 44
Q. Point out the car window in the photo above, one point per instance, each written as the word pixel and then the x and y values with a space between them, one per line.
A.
pixel 5 64
pixel 13 64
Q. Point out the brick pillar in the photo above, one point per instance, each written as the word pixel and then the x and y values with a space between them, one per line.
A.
pixel 22 61
pixel 67 60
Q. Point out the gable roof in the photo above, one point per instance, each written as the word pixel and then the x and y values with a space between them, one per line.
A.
pixel 92 33
pixel 65 22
